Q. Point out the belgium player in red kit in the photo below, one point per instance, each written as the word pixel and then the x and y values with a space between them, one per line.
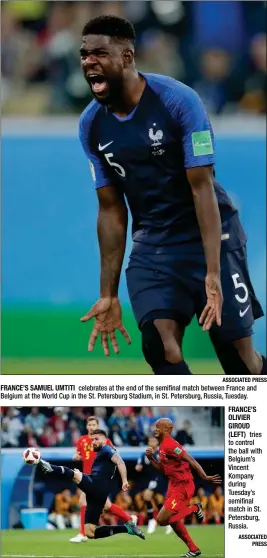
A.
pixel 86 454
pixel 176 464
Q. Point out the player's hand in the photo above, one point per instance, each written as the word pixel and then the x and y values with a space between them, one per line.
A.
pixel 125 486
pixel 139 468
pixel 149 452
pixel 213 310
pixel 77 456
pixel 215 479
pixel 108 318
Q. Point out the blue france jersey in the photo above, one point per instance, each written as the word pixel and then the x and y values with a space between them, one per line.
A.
pixel 146 154
pixel 103 468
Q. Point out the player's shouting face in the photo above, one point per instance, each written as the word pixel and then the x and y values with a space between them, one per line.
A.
pixel 104 63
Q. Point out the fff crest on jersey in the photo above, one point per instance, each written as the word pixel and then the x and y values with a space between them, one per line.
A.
pixel 156 137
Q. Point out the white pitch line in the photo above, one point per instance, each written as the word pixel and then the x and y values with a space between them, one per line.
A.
pixel 107 556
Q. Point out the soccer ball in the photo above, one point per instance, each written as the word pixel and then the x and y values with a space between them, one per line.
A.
pixel 31 456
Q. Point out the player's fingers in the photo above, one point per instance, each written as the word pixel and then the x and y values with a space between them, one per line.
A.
pixel 114 342
pixel 209 320
pixel 92 340
pixel 125 334
pixel 204 314
pixel 218 310
pixel 90 314
pixel 104 343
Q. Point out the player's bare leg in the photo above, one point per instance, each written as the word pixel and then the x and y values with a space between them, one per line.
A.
pixel 166 517
pixel 152 524
pixel 166 335
pixel 240 357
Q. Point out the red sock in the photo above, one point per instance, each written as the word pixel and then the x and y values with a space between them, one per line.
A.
pixel 183 534
pixel 116 510
pixel 82 517
pixel 183 513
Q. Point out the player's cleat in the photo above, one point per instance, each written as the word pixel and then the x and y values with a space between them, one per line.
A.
pixel 79 538
pixel 191 553
pixel 168 530
pixel 134 519
pixel 199 513
pixel 45 466
pixel 134 530
pixel 152 524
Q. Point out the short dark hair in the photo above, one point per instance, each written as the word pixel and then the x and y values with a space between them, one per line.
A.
pixel 99 431
pixel 89 419
pixel 112 26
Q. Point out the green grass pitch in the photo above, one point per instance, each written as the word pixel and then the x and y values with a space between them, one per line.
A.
pixel 55 544
pixel 92 366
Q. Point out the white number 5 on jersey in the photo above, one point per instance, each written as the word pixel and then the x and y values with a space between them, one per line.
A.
pixel 118 168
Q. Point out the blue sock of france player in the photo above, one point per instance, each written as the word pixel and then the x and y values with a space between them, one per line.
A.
pixel 59 470
pixel 179 369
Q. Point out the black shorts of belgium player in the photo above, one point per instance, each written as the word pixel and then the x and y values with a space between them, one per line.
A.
pixel 172 285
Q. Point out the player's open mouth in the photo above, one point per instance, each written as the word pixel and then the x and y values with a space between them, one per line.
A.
pixel 98 83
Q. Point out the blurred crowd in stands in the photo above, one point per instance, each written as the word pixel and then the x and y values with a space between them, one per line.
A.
pixel 218 48
pixel 62 426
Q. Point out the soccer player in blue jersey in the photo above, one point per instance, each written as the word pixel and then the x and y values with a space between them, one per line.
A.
pixel 97 486
pixel 150 143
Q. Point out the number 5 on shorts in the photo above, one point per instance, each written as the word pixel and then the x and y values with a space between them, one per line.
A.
pixel 243 289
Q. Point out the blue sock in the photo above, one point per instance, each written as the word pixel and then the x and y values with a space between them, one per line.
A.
pixel 168 369
pixel 109 531
pixel 59 470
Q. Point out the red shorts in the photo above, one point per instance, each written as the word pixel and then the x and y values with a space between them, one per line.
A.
pixel 178 496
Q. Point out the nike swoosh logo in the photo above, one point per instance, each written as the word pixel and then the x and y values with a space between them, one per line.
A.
pixel 102 147
pixel 243 312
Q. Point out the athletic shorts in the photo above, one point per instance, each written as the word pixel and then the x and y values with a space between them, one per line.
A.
pixel 96 497
pixel 178 496
pixel 172 285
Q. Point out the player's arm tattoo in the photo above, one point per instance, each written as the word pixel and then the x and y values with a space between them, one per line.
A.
pixel 208 215
pixel 116 458
pixel 111 229
pixel 194 464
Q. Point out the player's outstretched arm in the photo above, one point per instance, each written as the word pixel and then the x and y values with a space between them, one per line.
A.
pixel 116 458
pixel 215 479
pixel 112 229
pixel 153 461
pixel 208 216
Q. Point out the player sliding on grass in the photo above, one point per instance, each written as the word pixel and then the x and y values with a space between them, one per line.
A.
pixel 175 463
pixel 97 487
pixel 149 142
pixel 86 453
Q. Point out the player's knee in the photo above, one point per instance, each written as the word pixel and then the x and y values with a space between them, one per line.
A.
pixel 89 530
pixel 156 351
pixel 77 476
pixel 161 520
pixel 147 495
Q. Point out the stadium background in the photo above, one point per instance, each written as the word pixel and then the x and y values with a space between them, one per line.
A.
pixel 56 430
pixel 49 249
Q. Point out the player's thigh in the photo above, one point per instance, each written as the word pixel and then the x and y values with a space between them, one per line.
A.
pixel 179 497
pixel 164 515
pixel 93 511
pixel 240 305
pixel 153 285
pixel 148 495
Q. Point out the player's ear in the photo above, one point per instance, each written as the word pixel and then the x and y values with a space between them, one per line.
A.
pixel 128 56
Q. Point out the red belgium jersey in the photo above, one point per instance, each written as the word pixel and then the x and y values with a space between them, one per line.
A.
pixel 170 457
pixel 85 449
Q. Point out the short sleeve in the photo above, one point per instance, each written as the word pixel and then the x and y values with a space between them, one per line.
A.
pixel 174 449
pixel 97 169
pixel 109 451
pixel 196 131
